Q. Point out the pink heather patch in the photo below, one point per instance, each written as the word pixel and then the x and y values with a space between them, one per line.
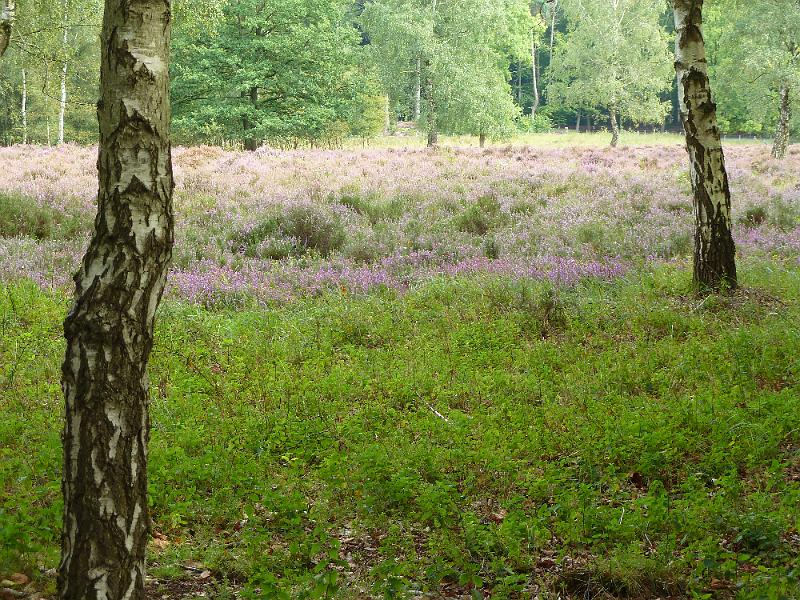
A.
pixel 280 225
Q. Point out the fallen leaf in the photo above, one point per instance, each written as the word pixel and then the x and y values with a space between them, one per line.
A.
pixel 20 578
pixel 205 574
pixel 498 516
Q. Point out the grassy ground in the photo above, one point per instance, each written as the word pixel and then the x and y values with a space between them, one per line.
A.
pixel 565 138
pixel 473 437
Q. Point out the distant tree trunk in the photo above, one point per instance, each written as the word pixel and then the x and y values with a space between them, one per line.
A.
pixel 782 131
pixel 24 107
pixel 482 139
pixel 8 12
pixel 714 250
pixel 518 84
pixel 109 329
pixel 433 133
pixel 553 29
pixel 250 141
pixel 578 122
pixel 589 123
pixel 612 113
pixel 535 105
pixel 418 91
pixel 62 103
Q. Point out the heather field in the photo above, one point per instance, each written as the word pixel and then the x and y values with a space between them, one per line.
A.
pixel 404 373
pixel 273 226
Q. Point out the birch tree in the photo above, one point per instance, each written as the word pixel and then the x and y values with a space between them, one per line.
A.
pixel 615 56
pixel 757 63
pixel 7 16
pixel 714 250
pixel 109 329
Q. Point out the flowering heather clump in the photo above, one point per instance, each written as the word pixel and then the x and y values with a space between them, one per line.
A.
pixel 276 225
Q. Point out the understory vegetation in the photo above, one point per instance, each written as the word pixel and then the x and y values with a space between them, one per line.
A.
pixel 452 374
pixel 478 435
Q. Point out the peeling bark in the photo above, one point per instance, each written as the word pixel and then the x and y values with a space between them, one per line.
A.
pixel 8 12
pixel 781 142
pixel 109 329
pixel 714 250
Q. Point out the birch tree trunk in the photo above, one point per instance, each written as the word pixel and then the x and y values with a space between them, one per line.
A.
pixel 433 132
pixel 24 107
pixel 535 105
pixel 578 122
pixel 782 131
pixel 8 12
pixel 553 30
pixel 62 103
pixel 612 113
pixel 714 250
pixel 109 329
pixel 418 90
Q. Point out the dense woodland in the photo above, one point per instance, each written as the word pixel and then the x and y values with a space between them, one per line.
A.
pixel 310 73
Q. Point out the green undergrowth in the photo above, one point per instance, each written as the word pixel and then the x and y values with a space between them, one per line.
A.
pixel 474 437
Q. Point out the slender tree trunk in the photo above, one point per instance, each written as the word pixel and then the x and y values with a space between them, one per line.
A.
pixel 578 122
pixel 482 139
pixel 418 90
pixel 49 142
pixel 612 113
pixel 589 123
pixel 433 132
pixel 62 103
pixel 109 329
pixel 714 250
pixel 8 12
pixel 535 105
pixel 782 131
pixel 24 107
pixel 250 142
pixel 553 29
pixel 518 84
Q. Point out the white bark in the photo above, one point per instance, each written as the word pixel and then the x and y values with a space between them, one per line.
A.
pixel 535 105
pixel 62 103
pixel 418 90
pixel 714 250
pixel 8 12
pixel 24 108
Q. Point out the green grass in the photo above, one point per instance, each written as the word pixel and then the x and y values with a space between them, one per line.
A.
pixel 474 436
pixel 555 139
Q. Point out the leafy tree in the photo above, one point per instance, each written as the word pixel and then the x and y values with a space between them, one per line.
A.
pixel 614 56
pixel 447 62
pixel 757 64
pixel 283 71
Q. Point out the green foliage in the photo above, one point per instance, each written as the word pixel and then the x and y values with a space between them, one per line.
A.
pixel 448 439
pixel 615 56
pixel 539 123
pixel 754 52
pixel 285 72
pixel 456 54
